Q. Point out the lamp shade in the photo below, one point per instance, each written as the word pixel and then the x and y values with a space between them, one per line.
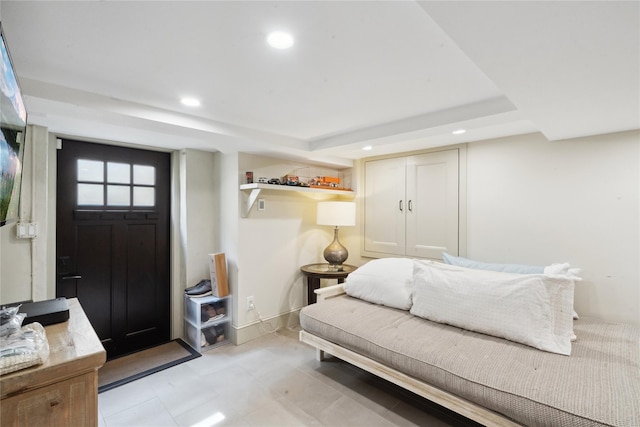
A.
pixel 337 214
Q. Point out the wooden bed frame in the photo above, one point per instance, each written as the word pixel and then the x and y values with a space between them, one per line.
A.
pixel 443 398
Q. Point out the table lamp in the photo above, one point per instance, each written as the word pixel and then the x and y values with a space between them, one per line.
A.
pixel 336 214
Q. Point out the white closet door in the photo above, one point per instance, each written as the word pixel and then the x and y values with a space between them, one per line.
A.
pixel 432 204
pixel 384 222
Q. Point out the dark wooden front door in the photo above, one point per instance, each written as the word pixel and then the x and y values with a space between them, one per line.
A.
pixel 112 240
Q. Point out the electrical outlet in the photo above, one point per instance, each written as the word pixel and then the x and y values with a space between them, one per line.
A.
pixel 250 305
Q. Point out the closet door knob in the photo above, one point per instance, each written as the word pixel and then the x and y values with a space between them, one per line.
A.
pixel 400 205
pixel 410 206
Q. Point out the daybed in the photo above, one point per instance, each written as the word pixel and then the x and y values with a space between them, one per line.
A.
pixel 491 380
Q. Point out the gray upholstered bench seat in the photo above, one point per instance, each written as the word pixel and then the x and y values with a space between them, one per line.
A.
pixel 599 384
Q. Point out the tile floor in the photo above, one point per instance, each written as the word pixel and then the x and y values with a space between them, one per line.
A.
pixel 272 381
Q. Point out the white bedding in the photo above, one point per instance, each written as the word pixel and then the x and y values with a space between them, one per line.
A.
pixel 386 281
pixel 532 309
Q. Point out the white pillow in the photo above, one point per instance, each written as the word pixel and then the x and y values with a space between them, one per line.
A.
pixel 553 269
pixel 532 309
pixel 562 269
pixel 386 281
pixel 479 265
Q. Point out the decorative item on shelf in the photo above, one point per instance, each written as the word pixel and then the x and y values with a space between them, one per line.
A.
pixel 290 180
pixel 325 182
pixel 262 180
pixel 218 273
pixel 336 214
pixel 249 177
pixel 275 181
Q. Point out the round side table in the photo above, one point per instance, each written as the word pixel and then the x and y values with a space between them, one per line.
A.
pixel 315 272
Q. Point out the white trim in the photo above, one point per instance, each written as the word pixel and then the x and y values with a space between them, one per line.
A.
pixel 253 330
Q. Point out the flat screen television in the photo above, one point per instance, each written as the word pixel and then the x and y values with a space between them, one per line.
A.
pixel 13 124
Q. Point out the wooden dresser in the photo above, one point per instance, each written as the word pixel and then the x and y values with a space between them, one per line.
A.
pixel 64 390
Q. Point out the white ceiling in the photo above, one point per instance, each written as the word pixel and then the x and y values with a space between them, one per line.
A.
pixel 398 75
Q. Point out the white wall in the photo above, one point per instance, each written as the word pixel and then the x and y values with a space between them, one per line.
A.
pixel 273 244
pixel 531 201
pixel 226 191
pixel 198 212
pixel 15 266
pixel 27 267
pixel 194 225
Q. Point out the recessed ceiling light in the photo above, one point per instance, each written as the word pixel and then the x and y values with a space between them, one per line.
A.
pixel 280 40
pixel 190 102
pixel 459 131
pixel 367 148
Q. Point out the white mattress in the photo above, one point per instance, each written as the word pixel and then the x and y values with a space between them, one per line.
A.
pixel 598 385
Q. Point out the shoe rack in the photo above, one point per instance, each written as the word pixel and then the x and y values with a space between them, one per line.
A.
pixel 207 321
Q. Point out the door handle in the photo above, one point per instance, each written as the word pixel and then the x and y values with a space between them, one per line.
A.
pixel 400 205
pixel 410 206
pixel 71 277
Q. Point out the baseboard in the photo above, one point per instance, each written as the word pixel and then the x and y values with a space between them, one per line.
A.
pixel 246 333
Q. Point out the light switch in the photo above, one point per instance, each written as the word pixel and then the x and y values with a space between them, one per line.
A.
pixel 261 204
pixel 26 230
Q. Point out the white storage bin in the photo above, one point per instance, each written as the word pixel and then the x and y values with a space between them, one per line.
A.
pixel 207 321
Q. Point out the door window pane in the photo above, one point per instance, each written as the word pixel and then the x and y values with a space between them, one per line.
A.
pixel 118 173
pixel 120 184
pixel 118 195
pixel 90 195
pixel 90 170
pixel 144 196
pixel 144 175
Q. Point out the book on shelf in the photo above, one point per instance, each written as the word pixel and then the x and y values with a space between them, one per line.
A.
pixel 218 272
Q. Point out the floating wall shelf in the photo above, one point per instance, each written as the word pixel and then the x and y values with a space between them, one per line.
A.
pixel 252 191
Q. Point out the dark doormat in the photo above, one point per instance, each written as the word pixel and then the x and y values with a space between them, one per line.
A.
pixel 123 370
